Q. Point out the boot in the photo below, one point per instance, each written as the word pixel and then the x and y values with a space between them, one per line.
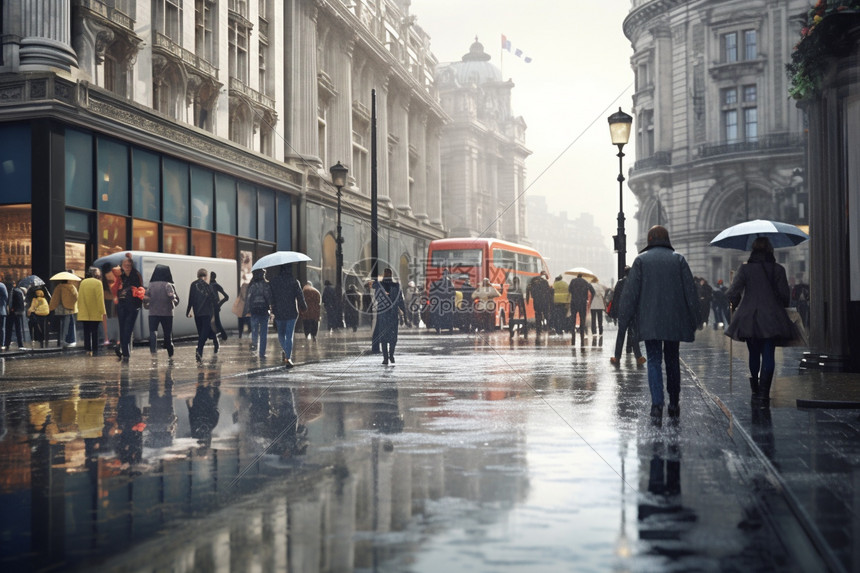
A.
pixel 764 390
pixel 657 415
pixel 754 388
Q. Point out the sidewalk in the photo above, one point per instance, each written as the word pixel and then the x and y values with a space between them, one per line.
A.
pixel 812 454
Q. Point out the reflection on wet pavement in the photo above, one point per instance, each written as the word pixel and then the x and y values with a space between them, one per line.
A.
pixel 470 454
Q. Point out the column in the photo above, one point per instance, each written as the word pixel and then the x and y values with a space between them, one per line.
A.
pixel 46 36
pixel 384 189
pixel 434 174
pixel 418 140
pixel 340 111
pixel 398 187
pixel 302 73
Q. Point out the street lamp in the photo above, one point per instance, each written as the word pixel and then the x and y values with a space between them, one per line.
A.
pixel 338 179
pixel 619 129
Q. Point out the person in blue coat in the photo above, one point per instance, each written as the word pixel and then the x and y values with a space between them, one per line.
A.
pixel 661 292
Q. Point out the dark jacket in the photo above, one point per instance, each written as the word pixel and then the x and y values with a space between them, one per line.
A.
pixel 287 297
pixel 257 289
pixel 389 303
pixel 661 291
pixel 201 299
pixel 124 293
pixel 579 289
pixel 540 291
pixel 761 288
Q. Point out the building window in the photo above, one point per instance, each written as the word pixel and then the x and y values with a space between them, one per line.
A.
pixel 204 36
pixel 238 47
pixel 175 240
pixel 175 184
pixel 730 125
pixel 144 235
pixel 750 47
pixel 730 47
pixel 112 176
pixel 734 108
pixel 112 234
pixel 263 58
pixel 202 216
pixel 750 124
pixel 79 169
pixel 146 184
pixel 168 18
pixel 734 51
pixel 225 204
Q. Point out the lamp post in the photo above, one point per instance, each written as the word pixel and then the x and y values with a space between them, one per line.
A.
pixel 619 129
pixel 338 179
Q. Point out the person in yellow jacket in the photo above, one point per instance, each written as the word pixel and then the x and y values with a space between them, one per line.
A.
pixel 561 303
pixel 64 303
pixel 91 308
pixel 38 313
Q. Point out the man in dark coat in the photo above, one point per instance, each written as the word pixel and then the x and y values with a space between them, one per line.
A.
pixel 201 300
pixel 661 291
pixel 351 307
pixel 221 297
pixel 287 300
pixel 442 298
pixel 389 305
pixel 579 289
pixel 540 293
pixel 332 306
pixel 720 306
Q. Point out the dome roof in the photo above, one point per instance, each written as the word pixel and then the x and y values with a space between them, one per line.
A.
pixel 475 67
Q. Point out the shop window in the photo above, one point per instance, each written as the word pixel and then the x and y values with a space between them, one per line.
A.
pixel 15 239
pixel 146 195
pixel 15 149
pixel 144 235
pixel 266 215
pixel 112 234
pixel 285 219
pixel 79 169
pixel 225 204
pixel 175 174
pixel 175 240
pixel 112 177
pixel 76 257
pixel 201 243
pixel 247 215
pixel 202 216
pixel 225 246
pixel 77 222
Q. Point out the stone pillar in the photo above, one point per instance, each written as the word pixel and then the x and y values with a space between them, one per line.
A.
pixel 301 69
pixel 434 174
pixel 340 111
pixel 418 139
pixel 398 187
pixel 46 36
pixel 382 119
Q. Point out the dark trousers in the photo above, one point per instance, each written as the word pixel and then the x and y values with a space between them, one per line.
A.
pixel 218 328
pixel 387 349
pixel 204 331
pixel 628 329
pixel 560 317
pixel 658 352
pixel 14 322
pixel 540 316
pixel 310 327
pixel 39 329
pixel 580 310
pixel 91 335
pixel 244 321
pixel 762 362
pixel 166 323
pixel 596 320
pixel 127 316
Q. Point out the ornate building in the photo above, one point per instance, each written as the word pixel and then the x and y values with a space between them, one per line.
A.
pixel 207 127
pixel 483 151
pixel 717 140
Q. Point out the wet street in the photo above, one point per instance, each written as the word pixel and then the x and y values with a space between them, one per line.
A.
pixel 471 453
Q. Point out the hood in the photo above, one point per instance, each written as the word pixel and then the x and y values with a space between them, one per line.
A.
pixel 161 273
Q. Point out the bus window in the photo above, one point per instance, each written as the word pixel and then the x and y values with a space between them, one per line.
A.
pixel 504 259
pixel 456 258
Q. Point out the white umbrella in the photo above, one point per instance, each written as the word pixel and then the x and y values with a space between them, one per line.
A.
pixel 280 258
pixel 586 274
pixel 742 235
pixel 65 276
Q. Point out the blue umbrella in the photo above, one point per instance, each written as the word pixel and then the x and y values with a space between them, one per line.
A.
pixel 280 258
pixel 30 281
pixel 742 235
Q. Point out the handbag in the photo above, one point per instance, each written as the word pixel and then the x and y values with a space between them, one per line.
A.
pixel 800 337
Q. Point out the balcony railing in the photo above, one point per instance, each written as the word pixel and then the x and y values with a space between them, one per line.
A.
pixel 252 94
pixel 120 12
pixel 190 58
pixel 771 142
pixel 659 159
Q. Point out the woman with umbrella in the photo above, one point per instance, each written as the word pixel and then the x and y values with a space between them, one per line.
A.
pixel 760 294
pixel 64 304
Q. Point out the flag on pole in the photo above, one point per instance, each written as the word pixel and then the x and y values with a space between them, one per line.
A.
pixel 506 45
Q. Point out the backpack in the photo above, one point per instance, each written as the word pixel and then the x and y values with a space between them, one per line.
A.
pixel 257 302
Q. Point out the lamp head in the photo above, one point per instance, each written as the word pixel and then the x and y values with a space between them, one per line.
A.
pixel 338 174
pixel 619 127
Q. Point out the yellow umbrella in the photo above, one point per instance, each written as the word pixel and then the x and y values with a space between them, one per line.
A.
pixel 65 276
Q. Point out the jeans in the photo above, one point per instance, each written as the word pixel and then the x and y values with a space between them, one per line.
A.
pixel 166 329
pixel 260 329
pixel 3 341
pixel 762 363
pixel 127 315
pixel 285 335
pixel 67 329
pixel 657 350
pixel 204 331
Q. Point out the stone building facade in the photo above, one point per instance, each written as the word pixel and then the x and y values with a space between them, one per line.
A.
pixel 717 140
pixel 483 151
pixel 207 127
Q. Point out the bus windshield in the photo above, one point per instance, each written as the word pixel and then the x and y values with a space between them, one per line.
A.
pixel 456 258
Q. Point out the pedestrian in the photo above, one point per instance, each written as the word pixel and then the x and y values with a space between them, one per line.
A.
pixel 485 305
pixel 15 319
pixel 561 302
pixel 203 410
pixel 4 309
pixel 441 298
pixel 287 300
pixel 466 309
pixel 540 293
pixel 162 300
pixel 801 295
pixel 626 326
pixel 661 291
pixel 38 312
pixel 351 307
pixel 91 309
pixel 219 302
pixel 332 308
pixel 759 294
pixel 239 308
pixel 412 299
pixel 109 276
pixel 128 293
pixel 706 294
pixel 311 315
pixel 389 305
pixel 720 306
pixel 201 300
pixel 258 304
pixel 580 290
pixel 598 305
pixel 517 300
pixel 64 305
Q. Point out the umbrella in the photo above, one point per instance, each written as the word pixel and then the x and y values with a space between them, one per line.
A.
pixel 280 258
pixel 742 235
pixel 65 276
pixel 586 274
pixel 30 281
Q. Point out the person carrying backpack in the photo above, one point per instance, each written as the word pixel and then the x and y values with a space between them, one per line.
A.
pixel 15 319
pixel 258 301
pixel 202 300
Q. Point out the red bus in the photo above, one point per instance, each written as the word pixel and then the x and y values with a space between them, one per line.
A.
pixel 477 258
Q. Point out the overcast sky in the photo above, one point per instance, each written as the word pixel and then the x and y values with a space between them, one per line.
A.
pixel 580 66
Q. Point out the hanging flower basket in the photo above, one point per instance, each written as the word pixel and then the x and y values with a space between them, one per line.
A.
pixel 821 38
